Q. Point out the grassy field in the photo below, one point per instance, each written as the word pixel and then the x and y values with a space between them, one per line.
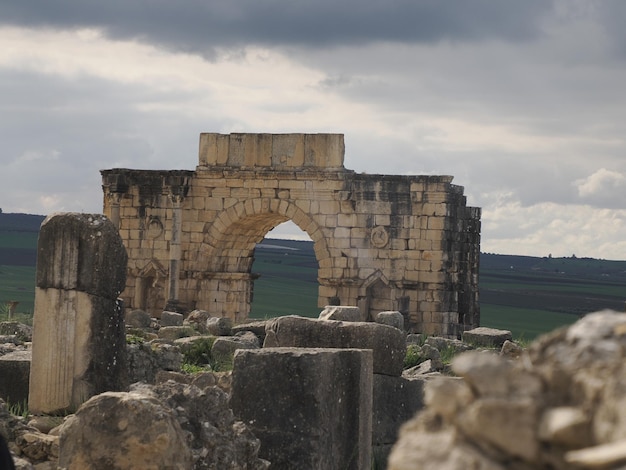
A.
pixel 288 283
pixel 523 323
pixel 18 283
pixel 18 240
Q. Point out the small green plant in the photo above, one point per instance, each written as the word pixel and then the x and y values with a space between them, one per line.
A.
pixel 199 352
pixel 413 356
pixel 19 408
pixel 134 339
pixel 221 364
pixel 193 368
pixel 447 354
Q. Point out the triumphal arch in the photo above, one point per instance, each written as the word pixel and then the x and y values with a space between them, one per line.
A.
pixel 382 242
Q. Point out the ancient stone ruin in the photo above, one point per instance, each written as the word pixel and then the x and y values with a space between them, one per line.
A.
pixel 561 405
pixel 78 338
pixel 383 243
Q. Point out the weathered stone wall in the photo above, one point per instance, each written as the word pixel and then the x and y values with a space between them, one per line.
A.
pixel 406 243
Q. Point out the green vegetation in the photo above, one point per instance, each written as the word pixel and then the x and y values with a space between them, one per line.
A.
pixel 18 240
pixel 199 352
pixel 413 356
pixel 194 368
pixel 19 408
pixel 288 281
pixel 17 283
pixel 524 324
pixel 134 339
pixel 198 357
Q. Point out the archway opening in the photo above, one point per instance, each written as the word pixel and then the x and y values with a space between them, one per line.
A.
pixel 287 270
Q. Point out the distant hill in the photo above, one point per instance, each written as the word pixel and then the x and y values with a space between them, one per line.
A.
pixel 20 222
pixel 18 239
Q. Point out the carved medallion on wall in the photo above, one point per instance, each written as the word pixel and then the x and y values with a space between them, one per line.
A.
pixel 379 237
pixel 155 227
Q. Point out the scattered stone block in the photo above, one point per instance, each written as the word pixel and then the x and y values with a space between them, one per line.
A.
pixel 123 430
pixel 415 338
pixel 172 333
pixel 396 400
pixel 137 319
pixel 217 440
pixel 38 446
pixel 565 425
pixel 511 350
pixel 14 376
pixel 24 333
pixel 145 360
pixel 203 380
pixel 312 408
pixel 256 327
pixel 454 346
pixel 189 343
pixel 388 344
pixel 78 326
pixel 12 339
pixel 487 337
pixel 561 405
pixel 224 347
pixel 197 319
pixel 219 326
pixel 45 424
pixel 423 368
pixel 341 313
pixel 391 318
pixel 171 319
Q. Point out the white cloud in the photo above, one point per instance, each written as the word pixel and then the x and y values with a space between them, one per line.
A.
pixel 552 228
pixel 603 187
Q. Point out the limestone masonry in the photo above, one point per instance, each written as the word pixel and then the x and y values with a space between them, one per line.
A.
pixel 383 242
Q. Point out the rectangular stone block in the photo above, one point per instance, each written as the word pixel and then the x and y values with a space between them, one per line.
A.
pixel 387 343
pixel 287 150
pixel 347 220
pixel 396 400
pixel 310 408
pixel 14 376
pixel 324 150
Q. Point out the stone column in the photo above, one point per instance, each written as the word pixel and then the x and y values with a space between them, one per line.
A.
pixel 114 204
pixel 175 252
pixel 114 187
pixel 79 346
pixel 11 308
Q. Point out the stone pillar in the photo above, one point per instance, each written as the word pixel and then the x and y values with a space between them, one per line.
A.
pixel 114 187
pixel 79 347
pixel 310 408
pixel 12 304
pixel 177 216
pixel 114 204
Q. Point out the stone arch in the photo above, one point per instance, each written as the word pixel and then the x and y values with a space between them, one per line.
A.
pixel 385 242
pixel 230 240
pixel 228 252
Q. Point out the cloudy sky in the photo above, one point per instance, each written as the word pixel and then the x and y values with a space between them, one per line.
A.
pixel 523 102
